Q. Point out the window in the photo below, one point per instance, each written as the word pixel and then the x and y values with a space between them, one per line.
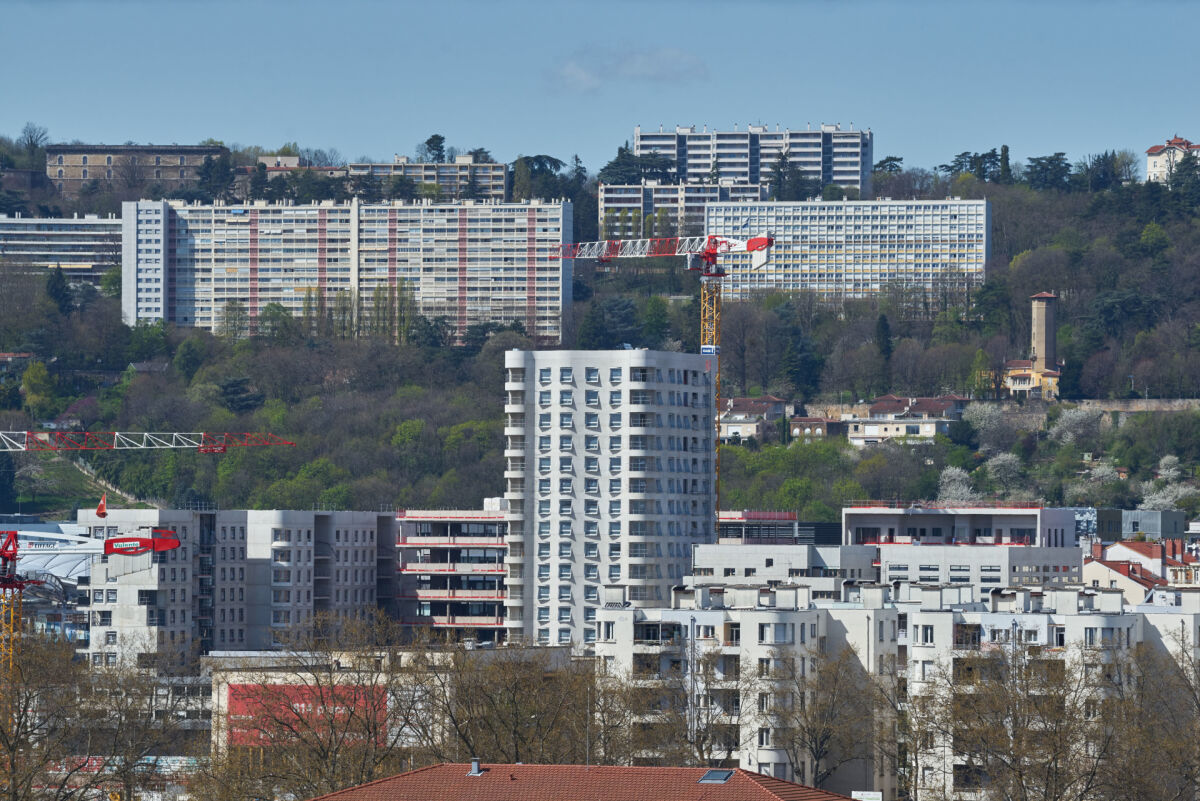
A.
pixel 591 529
pixel 543 464
pixel 564 614
pixel 565 465
pixel 591 507
pixel 564 592
pixel 544 443
pixel 614 508
pixel 591 464
pixel 927 635
pixel 564 485
pixel 591 420
pixel 566 420
pixel 614 375
pixel 564 375
pixel 564 506
pixel 85 173
pixel 566 397
pixel 591 485
pixel 544 420
pixel 107 160
pixel 544 528
pixel 544 398
pixel 591 572
pixel 564 636
pixel 614 398
pixel 543 594
pixel 591 550
pixel 544 375
pixel 543 571
pixel 85 161
pixel 614 420
pixel 543 636
pixel 591 397
pixel 614 444
pixel 591 375
pixel 543 508
pixel 564 528
pixel 543 550
pixel 564 443
pixel 764 738
pixel 564 571
pixel 543 486
pixel 543 614
pixel 591 443
pixel 564 550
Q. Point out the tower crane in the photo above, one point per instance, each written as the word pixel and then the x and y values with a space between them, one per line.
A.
pixel 13 584
pixel 702 253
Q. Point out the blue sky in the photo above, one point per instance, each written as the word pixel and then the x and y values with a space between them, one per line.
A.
pixel 374 78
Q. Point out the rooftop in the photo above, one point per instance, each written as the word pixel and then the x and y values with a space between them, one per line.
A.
pixel 515 782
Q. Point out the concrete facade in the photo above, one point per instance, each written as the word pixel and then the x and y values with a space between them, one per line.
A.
pixel 829 154
pixel 84 247
pixel 469 262
pixel 655 209
pixel 825 569
pixel 609 481
pixel 237 579
pixel 920 250
pixel 462 178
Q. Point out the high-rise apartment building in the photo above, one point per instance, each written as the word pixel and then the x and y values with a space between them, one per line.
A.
pixel 237 581
pixel 609 480
pixel 828 154
pixel 84 247
pixel 468 262
pixel 464 177
pixel 920 250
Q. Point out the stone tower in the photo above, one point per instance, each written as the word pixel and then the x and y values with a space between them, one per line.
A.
pixel 1043 345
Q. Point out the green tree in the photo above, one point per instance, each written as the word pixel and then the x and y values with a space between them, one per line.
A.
pixel 188 357
pixel 235 320
pixel 110 282
pixel 259 183
pixel 433 149
pixel 655 320
pixel 401 187
pixel 147 340
pixel 38 387
pixel 889 165
pixel 59 291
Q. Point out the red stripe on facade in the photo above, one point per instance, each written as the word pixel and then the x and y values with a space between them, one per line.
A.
pixel 391 251
pixel 531 274
pixel 253 268
pixel 462 273
pixel 322 220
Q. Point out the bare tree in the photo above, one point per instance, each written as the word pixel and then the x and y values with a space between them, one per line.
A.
pixel 819 708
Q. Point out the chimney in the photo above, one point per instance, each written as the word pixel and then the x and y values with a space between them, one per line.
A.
pixel 476 768
pixel 1097 549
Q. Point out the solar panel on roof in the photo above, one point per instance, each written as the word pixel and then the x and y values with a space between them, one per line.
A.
pixel 715 776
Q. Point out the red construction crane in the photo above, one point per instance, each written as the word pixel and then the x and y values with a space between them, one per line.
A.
pixel 702 253
pixel 13 441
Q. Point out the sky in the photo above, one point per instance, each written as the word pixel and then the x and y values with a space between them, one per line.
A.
pixel 930 78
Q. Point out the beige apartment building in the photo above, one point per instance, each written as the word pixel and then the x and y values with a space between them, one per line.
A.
pixel 462 178
pixel 69 167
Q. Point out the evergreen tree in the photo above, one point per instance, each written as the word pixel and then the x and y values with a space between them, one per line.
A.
pixel 59 291
pixel 883 337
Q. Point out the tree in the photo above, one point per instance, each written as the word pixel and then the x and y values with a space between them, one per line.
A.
pixel 235 320
pixel 341 711
pixel 655 320
pixel 401 187
pixel 820 709
pixel 259 183
pixel 38 389
pixel 890 165
pixel 59 291
pixel 883 337
pixel 34 137
pixel 1048 172
pixel 954 484
pixel 1022 724
pixel 434 149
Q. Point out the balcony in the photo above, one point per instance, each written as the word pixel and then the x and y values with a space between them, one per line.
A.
pixel 426 594
pixel 476 621
pixel 452 568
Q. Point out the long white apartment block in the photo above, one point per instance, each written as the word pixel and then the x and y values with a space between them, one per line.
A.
pixel 731 646
pixel 609 481
pixel 829 153
pixel 238 581
pixel 982 545
pixel 922 250
pixel 84 247
pixel 451 570
pixel 468 262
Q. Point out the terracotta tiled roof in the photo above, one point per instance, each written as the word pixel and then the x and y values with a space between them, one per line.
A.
pixel 1046 295
pixel 450 782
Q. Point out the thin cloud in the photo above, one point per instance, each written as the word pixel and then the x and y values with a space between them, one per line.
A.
pixel 594 68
